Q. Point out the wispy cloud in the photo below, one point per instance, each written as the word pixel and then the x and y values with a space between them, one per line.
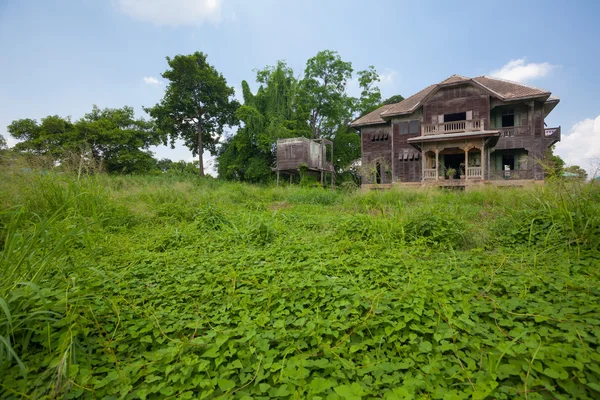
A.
pixel 150 80
pixel 172 12
pixel 521 71
pixel 582 145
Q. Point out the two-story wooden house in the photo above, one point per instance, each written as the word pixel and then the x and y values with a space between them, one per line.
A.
pixel 457 132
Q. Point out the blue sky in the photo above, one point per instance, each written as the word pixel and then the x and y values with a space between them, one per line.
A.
pixel 61 56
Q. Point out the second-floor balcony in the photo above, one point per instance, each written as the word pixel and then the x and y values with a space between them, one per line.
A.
pixel 452 127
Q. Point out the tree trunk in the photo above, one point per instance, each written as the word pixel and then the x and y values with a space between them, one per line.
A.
pixel 201 162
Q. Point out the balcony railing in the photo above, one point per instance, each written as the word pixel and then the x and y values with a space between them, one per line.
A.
pixel 514 131
pixel 429 173
pixel 474 172
pixel 452 127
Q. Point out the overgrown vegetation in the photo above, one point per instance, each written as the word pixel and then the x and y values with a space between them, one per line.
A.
pixel 173 286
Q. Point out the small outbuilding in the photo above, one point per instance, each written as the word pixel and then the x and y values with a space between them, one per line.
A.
pixel 315 155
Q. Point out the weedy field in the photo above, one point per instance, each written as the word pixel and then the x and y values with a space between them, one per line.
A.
pixel 174 287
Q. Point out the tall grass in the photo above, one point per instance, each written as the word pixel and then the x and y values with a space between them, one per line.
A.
pixel 58 232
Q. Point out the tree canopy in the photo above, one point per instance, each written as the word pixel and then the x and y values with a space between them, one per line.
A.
pixel 112 136
pixel 316 105
pixel 197 104
pixel 576 169
pixel 266 116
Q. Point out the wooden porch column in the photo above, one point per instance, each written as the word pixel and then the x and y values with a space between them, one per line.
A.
pixel 277 177
pixel 482 163
pixel 466 163
pixel 423 162
pixel 437 167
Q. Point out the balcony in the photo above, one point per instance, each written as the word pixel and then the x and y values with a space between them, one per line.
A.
pixel 513 131
pixel 452 127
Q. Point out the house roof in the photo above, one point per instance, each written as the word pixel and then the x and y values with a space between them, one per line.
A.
pixel 408 105
pixel 509 90
pixel 372 118
pixel 501 88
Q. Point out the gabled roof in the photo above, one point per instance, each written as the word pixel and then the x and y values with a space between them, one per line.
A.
pixel 410 104
pixel 500 88
pixel 509 90
pixel 372 118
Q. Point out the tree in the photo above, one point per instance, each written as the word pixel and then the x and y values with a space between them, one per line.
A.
pixel 3 144
pixel 553 165
pixel 112 136
pixel 576 169
pixel 370 97
pixel 197 104
pixel 324 96
pixel 50 137
pixel 266 116
pixel 117 138
pixel 397 98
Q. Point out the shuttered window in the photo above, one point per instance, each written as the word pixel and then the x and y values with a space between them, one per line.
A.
pixel 413 127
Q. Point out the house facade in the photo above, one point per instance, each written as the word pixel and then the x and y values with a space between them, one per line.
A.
pixel 460 131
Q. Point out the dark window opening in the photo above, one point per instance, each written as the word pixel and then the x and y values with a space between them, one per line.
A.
pixel 508 117
pixel 461 116
pixel 508 121
pixel 377 173
pixel 508 159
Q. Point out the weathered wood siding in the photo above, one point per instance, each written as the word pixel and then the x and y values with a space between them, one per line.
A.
pixel 377 145
pixel 455 99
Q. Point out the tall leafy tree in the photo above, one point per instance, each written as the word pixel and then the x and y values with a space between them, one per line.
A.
pixel 266 116
pixel 3 144
pixel 323 96
pixel 370 96
pixel 51 137
pixel 397 98
pixel 112 136
pixel 197 104
pixel 116 137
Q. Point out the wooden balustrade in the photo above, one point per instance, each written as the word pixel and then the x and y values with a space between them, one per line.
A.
pixel 429 173
pixel 452 127
pixel 514 131
pixel 474 172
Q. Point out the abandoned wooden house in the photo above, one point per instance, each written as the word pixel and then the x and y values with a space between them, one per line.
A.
pixel 461 131
pixel 313 155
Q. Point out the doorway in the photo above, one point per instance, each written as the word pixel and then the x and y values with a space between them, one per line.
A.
pixel 454 161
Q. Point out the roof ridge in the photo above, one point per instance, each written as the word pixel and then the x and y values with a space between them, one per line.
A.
pixel 513 82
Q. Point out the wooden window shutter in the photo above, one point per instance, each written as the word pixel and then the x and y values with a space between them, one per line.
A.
pixel 395 129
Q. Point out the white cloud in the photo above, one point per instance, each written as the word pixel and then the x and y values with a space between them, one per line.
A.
pixel 388 78
pixel 582 145
pixel 172 12
pixel 151 80
pixel 521 71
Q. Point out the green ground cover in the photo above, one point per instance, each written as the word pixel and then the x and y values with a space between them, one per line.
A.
pixel 173 287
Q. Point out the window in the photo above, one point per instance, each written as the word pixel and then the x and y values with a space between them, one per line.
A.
pixel 461 116
pixel 413 127
pixel 379 137
pixel 508 160
pixel 508 117
pixel 403 128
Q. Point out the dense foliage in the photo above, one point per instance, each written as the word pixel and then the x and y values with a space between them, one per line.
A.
pixel 111 136
pixel 315 105
pixel 177 287
pixel 197 104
